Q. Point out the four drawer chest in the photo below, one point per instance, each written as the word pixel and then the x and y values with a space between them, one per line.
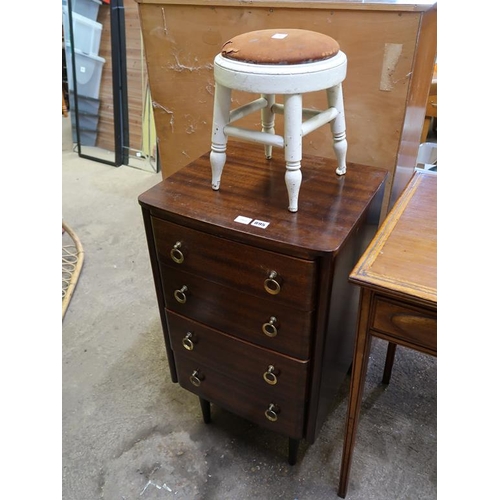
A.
pixel 256 308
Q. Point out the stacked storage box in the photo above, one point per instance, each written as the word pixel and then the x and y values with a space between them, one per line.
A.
pixel 88 64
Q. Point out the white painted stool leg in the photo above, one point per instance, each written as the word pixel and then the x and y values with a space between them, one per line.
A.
pixel 336 100
pixel 222 105
pixel 267 118
pixel 293 147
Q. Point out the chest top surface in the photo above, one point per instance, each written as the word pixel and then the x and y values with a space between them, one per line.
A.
pixel 252 201
pixel 402 257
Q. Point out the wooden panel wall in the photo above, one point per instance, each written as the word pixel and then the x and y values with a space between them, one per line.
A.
pixel 417 98
pixel 136 76
pixel 381 46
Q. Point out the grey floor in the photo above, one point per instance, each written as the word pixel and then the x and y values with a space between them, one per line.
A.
pixel 129 433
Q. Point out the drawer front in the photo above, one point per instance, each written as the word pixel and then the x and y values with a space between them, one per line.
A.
pixel 261 368
pixel 243 400
pixel 262 322
pixel 410 324
pixel 238 266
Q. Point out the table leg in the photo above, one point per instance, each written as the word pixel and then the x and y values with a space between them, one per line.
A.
pixel 389 361
pixel 359 367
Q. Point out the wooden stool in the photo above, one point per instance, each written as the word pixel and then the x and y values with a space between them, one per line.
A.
pixel 290 62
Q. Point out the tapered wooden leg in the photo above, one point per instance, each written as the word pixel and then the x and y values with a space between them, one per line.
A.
pixel 389 361
pixel 293 450
pixel 205 410
pixel 359 366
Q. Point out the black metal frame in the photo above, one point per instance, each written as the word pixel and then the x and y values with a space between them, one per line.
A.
pixel 120 91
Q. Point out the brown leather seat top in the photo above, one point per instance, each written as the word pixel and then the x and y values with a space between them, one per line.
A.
pixel 280 46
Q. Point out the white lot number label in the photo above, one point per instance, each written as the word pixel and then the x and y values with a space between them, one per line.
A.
pixel 248 220
pixel 260 223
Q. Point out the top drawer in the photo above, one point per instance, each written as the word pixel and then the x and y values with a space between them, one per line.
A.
pixel 246 268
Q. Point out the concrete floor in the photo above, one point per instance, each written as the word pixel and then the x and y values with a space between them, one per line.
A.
pixel 129 433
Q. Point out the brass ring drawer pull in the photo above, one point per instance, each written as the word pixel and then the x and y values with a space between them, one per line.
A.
pixel 270 328
pixel 180 294
pixel 196 378
pixel 188 341
pixel 176 254
pixel 272 283
pixel 272 412
pixel 270 376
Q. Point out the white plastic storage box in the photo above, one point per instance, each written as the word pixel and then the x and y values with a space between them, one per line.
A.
pixel 88 73
pixel 86 105
pixel 427 156
pixel 86 33
pixel 86 8
pixel 87 137
pixel 86 121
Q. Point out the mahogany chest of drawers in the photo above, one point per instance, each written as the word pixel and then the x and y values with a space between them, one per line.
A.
pixel 258 315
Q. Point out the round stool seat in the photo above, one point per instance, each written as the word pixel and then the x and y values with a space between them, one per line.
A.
pixel 280 78
pixel 286 62
pixel 280 46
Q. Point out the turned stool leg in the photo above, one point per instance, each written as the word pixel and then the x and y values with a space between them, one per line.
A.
pixel 336 100
pixel 267 118
pixel 222 104
pixel 293 148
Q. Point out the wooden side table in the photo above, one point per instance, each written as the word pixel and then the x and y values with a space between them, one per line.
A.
pixel 397 276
